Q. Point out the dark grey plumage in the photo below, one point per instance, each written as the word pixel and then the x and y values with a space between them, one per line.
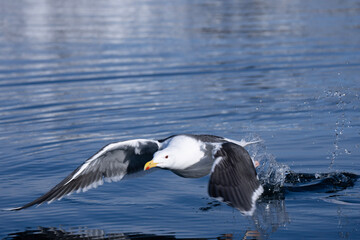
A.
pixel 234 178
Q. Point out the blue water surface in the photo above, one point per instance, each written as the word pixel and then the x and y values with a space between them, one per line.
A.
pixel 77 75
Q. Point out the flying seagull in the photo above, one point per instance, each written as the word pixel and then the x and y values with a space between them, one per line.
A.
pixel 233 177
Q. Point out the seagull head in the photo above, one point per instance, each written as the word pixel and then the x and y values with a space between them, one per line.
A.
pixel 180 153
pixel 173 159
pixel 165 158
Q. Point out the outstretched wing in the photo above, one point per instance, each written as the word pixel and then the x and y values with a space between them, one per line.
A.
pixel 233 178
pixel 111 163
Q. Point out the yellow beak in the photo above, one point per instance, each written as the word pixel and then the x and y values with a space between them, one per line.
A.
pixel 149 165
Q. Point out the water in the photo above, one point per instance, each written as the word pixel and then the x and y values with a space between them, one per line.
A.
pixel 77 75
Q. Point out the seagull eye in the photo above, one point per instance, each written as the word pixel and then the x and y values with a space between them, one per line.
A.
pixel 167 156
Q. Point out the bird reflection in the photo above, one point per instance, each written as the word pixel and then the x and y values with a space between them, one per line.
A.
pixel 98 234
pixel 270 215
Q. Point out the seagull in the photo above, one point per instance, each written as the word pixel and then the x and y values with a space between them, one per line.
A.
pixel 233 177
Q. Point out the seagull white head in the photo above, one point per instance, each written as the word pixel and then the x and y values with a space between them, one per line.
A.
pixel 165 158
pixel 179 153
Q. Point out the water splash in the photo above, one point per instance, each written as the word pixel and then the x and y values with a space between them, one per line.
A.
pixel 278 179
pixel 272 174
pixel 343 100
pixel 340 122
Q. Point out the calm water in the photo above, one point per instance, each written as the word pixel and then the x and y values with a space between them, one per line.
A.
pixel 77 75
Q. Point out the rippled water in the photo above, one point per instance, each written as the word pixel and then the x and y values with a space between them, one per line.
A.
pixel 77 75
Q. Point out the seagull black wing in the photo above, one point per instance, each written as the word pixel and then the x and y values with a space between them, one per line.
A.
pixel 111 163
pixel 233 178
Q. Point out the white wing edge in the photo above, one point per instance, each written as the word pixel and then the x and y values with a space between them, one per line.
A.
pixel 242 142
pixel 256 194
pixel 134 143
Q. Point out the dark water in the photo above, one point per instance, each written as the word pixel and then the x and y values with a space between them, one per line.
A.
pixel 77 75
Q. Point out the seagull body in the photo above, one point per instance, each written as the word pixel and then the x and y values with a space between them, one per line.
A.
pixel 233 177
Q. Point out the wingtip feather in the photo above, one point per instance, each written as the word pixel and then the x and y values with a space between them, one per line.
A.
pixel 12 209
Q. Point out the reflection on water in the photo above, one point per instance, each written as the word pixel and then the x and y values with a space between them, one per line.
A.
pixel 269 216
pixel 85 233
pixel 81 233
